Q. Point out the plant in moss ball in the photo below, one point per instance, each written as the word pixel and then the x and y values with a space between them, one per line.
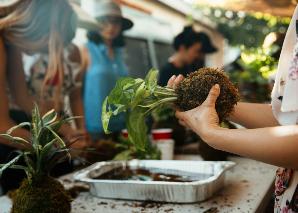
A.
pixel 138 98
pixel 39 192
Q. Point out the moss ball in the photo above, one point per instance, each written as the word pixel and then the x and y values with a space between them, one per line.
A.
pixel 194 89
pixel 43 194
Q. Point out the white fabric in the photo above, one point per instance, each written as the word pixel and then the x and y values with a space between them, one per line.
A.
pixel 286 82
pixel 285 97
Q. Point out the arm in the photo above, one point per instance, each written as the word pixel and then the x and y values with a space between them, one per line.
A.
pixel 76 101
pixel 251 115
pixel 17 81
pixel 5 121
pixel 274 145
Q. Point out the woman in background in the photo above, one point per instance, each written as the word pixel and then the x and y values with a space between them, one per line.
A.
pixel 28 26
pixel 105 63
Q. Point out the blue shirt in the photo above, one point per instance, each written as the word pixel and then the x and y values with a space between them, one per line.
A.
pixel 100 79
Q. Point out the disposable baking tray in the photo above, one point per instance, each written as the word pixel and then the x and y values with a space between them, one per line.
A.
pixel 209 177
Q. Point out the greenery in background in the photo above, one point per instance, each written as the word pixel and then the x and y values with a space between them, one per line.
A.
pixel 247 29
pixel 258 65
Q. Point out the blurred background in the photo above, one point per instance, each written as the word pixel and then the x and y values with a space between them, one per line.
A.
pixel 238 28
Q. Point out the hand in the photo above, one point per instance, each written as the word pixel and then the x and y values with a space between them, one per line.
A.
pixel 174 81
pixel 203 119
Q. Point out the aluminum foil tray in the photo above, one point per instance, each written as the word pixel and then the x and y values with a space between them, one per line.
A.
pixel 209 178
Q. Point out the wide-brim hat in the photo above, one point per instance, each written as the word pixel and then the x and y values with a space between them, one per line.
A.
pixel 85 21
pixel 103 8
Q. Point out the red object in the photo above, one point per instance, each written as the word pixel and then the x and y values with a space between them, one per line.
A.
pixel 160 134
pixel 124 133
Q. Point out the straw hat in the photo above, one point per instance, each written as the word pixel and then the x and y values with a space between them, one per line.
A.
pixel 101 8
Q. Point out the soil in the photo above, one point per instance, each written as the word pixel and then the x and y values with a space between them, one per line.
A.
pixel 194 89
pixel 143 174
pixel 42 194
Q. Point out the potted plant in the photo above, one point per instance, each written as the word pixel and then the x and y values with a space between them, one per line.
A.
pixel 39 192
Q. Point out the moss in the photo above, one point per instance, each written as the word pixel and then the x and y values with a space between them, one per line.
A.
pixel 194 89
pixel 43 194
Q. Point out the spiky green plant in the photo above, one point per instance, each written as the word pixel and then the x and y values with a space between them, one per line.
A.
pixel 40 154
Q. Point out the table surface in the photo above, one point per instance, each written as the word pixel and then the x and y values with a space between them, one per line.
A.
pixel 248 188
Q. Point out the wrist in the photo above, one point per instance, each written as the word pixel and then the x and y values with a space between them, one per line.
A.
pixel 213 135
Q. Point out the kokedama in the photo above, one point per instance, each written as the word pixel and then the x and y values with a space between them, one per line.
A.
pixel 138 98
pixel 40 192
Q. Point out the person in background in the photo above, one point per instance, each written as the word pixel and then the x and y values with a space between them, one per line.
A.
pixel 190 50
pixel 69 99
pixel 28 26
pixel 103 54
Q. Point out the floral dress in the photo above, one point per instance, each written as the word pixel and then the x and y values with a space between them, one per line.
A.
pixel 285 109
pixel 35 67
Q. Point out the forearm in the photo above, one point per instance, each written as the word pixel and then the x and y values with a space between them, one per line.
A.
pixel 251 115
pixel 272 145
pixel 76 104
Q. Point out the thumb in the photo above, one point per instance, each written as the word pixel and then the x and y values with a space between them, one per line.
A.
pixel 212 96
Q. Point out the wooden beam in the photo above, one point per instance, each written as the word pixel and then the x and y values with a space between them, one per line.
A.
pixel 283 8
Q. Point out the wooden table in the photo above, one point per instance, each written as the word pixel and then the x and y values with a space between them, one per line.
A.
pixel 248 189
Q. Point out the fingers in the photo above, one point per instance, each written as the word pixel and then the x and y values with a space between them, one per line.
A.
pixel 171 81
pixel 212 96
pixel 174 81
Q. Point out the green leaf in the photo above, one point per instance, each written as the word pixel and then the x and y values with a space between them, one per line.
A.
pixel 30 163
pixel 122 92
pixel 49 117
pixel 21 125
pixel 17 140
pixel 137 128
pixel 36 125
pixel 125 155
pixel 151 80
pixel 140 94
pixel 105 116
pixel 136 97
pixel 46 149
pixel 59 139
pixel 15 167
pixel 9 164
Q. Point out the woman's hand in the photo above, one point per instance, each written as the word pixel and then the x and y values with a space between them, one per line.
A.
pixel 174 81
pixel 202 119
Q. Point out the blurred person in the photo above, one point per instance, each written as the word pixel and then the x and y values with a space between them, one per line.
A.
pixel 105 63
pixel 69 99
pixel 190 50
pixel 28 26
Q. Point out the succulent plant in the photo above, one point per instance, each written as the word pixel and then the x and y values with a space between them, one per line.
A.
pixel 41 154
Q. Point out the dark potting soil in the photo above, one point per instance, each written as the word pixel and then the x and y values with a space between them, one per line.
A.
pixel 150 174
